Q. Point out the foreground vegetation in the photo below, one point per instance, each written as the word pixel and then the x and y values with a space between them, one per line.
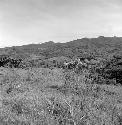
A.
pixel 41 96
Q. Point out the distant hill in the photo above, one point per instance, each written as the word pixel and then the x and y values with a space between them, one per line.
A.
pixel 101 46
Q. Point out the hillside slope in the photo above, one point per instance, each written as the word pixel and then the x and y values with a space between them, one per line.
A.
pixel 101 46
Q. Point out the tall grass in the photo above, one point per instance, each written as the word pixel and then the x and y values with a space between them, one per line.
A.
pixel 54 97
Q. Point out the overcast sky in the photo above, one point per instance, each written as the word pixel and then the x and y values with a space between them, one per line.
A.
pixel 36 21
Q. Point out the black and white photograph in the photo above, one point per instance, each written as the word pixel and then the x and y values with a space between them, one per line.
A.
pixel 60 62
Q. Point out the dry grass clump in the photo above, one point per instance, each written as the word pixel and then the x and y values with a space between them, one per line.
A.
pixel 21 110
pixel 33 108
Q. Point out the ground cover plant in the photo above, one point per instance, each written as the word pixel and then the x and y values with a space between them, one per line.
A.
pixel 41 96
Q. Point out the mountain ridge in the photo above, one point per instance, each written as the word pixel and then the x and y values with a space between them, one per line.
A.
pixel 96 46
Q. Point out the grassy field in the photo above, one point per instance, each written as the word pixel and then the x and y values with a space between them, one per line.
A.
pixel 41 96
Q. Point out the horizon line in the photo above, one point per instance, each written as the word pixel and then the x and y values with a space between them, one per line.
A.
pixel 59 42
